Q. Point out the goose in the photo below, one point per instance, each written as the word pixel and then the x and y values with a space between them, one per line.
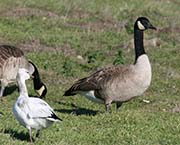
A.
pixel 32 112
pixel 39 86
pixel 11 59
pixel 119 84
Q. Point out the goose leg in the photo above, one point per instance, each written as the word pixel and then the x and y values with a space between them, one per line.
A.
pixel 1 92
pixel 118 105
pixel 108 102
pixel 37 133
pixel 30 135
pixel 108 107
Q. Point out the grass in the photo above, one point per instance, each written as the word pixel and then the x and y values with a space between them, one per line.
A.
pixel 71 39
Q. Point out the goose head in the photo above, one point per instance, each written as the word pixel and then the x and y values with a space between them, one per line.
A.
pixel 142 23
pixel 23 74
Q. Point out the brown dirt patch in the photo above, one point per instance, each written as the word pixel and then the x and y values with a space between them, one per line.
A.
pixel 100 25
pixel 23 12
pixel 36 46
pixel 170 30
pixel 100 22
pixel 154 42
pixel 79 14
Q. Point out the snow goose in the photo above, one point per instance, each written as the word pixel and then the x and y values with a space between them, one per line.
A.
pixel 32 112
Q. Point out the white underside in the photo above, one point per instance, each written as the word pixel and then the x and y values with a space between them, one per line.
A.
pixel 90 95
pixel 33 113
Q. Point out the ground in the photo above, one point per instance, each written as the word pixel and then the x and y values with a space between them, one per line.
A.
pixel 69 40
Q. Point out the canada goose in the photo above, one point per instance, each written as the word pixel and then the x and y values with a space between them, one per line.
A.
pixel 11 59
pixel 39 86
pixel 32 112
pixel 119 83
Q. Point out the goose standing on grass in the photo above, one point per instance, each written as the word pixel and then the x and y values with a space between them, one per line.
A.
pixel 32 112
pixel 119 84
pixel 11 59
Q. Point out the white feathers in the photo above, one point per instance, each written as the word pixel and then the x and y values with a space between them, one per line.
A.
pixel 90 95
pixel 40 91
pixel 23 74
pixel 32 112
pixel 140 25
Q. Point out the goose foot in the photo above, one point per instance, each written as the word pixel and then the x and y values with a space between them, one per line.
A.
pixel 30 136
pixel 38 133
pixel 118 105
pixel 108 107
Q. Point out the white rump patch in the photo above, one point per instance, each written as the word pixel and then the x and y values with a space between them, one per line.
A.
pixel 90 95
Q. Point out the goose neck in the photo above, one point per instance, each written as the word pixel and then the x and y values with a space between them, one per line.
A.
pixel 36 80
pixel 138 42
pixel 22 88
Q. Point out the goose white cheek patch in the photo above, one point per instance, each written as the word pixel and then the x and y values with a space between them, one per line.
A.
pixel 140 25
pixel 40 91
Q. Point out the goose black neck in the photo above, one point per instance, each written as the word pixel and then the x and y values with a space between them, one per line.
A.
pixel 36 80
pixel 138 42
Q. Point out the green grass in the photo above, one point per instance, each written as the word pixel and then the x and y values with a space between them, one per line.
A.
pixel 70 40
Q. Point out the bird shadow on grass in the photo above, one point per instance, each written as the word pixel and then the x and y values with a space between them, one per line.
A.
pixel 76 110
pixel 9 90
pixel 18 135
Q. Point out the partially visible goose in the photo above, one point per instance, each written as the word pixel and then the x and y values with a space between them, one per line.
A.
pixel 39 86
pixel 32 112
pixel 11 59
pixel 119 83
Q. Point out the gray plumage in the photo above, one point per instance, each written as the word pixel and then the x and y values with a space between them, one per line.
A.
pixel 119 83
pixel 11 59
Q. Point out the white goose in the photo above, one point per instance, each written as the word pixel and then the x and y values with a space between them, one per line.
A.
pixel 32 112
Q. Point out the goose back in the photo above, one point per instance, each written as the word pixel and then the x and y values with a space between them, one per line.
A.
pixel 11 59
pixel 129 82
pixel 99 80
pixel 118 83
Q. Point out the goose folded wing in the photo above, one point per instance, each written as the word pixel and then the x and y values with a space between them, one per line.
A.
pixel 94 81
pixel 40 109
pixel 84 84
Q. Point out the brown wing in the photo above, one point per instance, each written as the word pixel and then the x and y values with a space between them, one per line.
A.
pixel 7 51
pixel 96 80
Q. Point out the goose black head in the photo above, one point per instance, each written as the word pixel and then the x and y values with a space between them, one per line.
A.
pixel 39 86
pixel 142 23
